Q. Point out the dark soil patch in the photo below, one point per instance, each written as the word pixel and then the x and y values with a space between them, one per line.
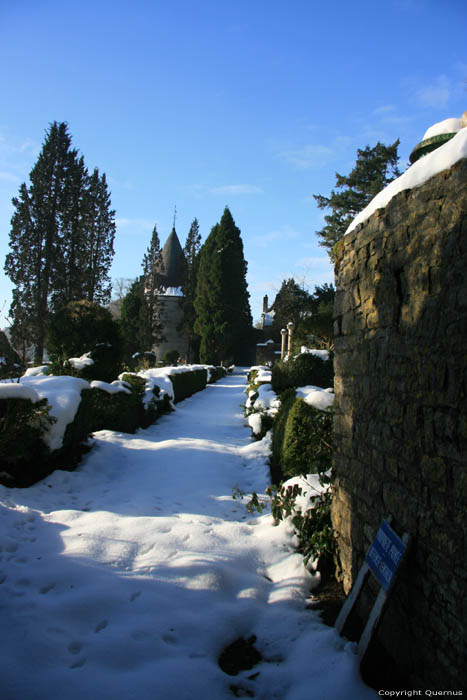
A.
pixel 328 599
pixel 240 655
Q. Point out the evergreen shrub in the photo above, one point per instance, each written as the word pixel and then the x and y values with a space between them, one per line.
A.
pixel 171 357
pixel 307 444
pixel 216 373
pixel 186 384
pixel 142 360
pixel 76 435
pixel 287 398
pixel 148 414
pixel 81 327
pixel 120 411
pixel 303 370
pixel 10 363
pixel 23 453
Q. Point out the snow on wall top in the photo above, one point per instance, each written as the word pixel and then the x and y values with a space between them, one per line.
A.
pixel 422 170
pixel 63 394
pixel 447 126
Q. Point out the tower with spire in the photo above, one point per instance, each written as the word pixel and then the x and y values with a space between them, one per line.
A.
pixel 171 297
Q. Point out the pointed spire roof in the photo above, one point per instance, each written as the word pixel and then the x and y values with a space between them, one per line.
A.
pixel 172 257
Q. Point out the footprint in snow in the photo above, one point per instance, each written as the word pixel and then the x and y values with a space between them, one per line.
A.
pixel 48 587
pixel 75 647
pixel 78 663
pixel 101 625
pixel 134 596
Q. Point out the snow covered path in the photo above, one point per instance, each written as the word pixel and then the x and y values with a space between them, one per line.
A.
pixel 126 578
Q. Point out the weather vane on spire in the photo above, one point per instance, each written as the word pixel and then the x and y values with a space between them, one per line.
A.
pixel 175 215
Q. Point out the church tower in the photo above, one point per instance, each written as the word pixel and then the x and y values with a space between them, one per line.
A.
pixel 171 299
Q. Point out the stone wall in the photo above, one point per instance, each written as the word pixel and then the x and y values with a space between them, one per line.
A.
pixel 401 419
pixel 171 314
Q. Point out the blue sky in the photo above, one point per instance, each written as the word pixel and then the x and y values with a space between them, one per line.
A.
pixel 254 104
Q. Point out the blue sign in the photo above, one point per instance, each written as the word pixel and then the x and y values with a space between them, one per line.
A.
pixel 385 554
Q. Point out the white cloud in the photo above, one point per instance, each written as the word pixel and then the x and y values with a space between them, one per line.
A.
pixel 236 189
pixel 124 184
pixel 310 156
pixel 8 177
pixel 199 191
pixel 134 223
pixel 286 233
pixel 316 270
pixel 384 109
pixel 435 95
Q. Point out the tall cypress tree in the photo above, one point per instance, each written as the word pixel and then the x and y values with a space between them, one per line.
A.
pixel 100 234
pixel 189 280
pixel 374 169
pixel 150 314
pixel 223 316
pixel 35 239
pixel 61 239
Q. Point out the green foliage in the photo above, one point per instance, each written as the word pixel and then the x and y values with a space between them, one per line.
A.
pixel 82 327
pixel 150 411
pixel 186 384
pixel 223 316
pixel 10 362
pixel 313 526
pixel 374 169
pixel 303 370
pixel 120 411
pixel 216 373
pixel 61 239
pixel 23 453
pixel 292 303
pixel 189 282
pixel 307 443
pixel 76 435
pixel 142 360
pixel 153 275
pixel 171 357
pixel 287 398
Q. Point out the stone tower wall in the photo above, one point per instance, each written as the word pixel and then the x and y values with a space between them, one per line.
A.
pixel 400 430
pixel 171 318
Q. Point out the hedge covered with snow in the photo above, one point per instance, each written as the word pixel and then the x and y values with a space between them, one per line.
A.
pixel 45 421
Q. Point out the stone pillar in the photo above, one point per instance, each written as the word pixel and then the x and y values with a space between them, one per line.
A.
pixel 290 327
pixel 284 335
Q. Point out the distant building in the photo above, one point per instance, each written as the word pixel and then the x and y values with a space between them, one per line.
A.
pixel 171 299
pixel 267 317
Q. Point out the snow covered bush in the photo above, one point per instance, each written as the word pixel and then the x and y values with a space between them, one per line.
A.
pixel 187 383
pixel 10 363
pixel 307 443
pixel 83 327
pixel 142 360
pixel 24 418
pixel 306 368
pixel 262 403
pixel 151 401
pixel 171 357
pixel 49 430
pixel 216 373
pixel 116 406
pixel 306 500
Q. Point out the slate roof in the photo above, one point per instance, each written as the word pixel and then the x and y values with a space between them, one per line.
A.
pixel 173 257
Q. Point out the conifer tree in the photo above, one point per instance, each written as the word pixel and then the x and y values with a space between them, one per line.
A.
pixel 150 313
pixel 223 316
pixel 35 239
pixel 100 228
pixel 189 280
pixel 134 327
pixel 292 303
pixel 374 169
pixel 61 239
